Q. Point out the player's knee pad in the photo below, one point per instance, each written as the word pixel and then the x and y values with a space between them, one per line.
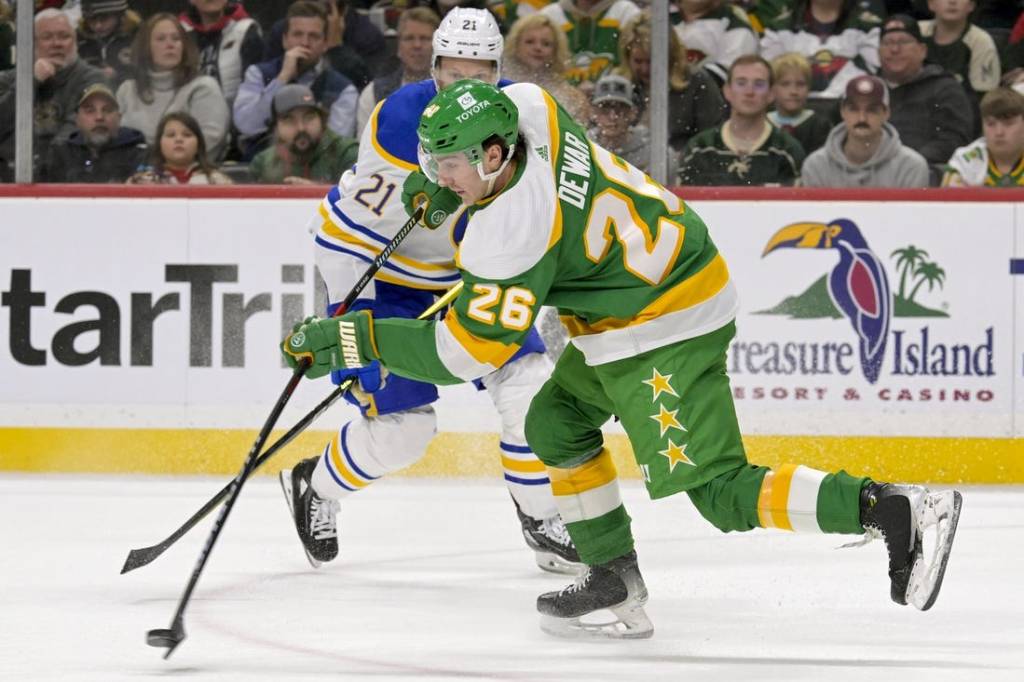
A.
pixel 560 429
pixel 392 441
pixel 511 389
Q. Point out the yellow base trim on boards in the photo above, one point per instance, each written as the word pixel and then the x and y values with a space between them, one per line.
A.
pixel 222 451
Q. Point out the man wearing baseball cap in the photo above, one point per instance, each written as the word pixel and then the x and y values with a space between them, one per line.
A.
pixel 304 150
pixel 100 150
pixel 615 115
pixel 928 106
pixel 105 36
pixel 865 150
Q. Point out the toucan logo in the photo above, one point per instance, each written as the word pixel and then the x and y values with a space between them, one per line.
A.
pixel 857 286
pixel 858 289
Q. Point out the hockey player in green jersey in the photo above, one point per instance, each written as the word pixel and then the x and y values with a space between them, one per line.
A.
pixel 557 220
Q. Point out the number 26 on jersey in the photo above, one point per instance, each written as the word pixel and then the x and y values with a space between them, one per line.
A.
pixel 511 307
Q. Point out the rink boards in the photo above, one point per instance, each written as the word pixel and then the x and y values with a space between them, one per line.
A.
pixel 141 333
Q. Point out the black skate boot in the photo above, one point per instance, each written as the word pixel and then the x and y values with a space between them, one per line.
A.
pixel 550 541
pixel 615 586
pixel 314 516
pixel 902 515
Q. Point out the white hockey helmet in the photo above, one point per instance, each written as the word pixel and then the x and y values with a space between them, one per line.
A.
pixel 468 33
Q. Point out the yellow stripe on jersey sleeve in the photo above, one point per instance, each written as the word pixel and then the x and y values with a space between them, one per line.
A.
pixel 484 351
pixel 385 154
pixel 332 230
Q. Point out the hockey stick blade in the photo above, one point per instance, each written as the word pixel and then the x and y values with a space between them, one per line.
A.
pixel 177 631
pixel 144 555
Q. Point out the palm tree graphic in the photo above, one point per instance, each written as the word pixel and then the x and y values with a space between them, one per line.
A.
pixel 907 261
pixel 929 273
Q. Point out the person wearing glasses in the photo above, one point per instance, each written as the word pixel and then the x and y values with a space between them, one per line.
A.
pixel 747 149
pixel 930 109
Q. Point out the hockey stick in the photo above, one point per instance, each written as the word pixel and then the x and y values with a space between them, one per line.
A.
pixel 144 555
pixel 170 638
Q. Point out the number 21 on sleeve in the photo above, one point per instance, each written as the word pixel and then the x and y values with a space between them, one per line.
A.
pixel 515 313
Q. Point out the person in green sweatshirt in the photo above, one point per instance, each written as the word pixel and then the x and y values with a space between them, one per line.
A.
pixel 305 151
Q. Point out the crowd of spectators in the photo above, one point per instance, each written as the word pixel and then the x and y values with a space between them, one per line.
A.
pixel 829 93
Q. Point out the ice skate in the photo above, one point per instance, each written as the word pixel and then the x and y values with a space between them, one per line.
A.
pixel 314 516
pixel 582 610
pixel 550 541
pixel 918 527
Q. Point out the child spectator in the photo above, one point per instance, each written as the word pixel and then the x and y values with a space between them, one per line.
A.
pixel 864 150
pixel 100 149
pixel 746 149
pixel 179 155
pixel 592 29
pixel 715 33
pixel 537 51
pixel 839 39
pixel 167 78
pixel 997 158
pixel 227 39
pixel 615 114
pixel 792 74
pixel 960 47
pixel 105 35
pixel 694 100
pixel 305 151
pixel 416 29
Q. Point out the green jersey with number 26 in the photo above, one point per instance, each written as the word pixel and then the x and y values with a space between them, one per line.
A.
pixel 629 266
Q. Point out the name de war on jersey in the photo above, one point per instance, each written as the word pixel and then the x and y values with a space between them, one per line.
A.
pixel 576 161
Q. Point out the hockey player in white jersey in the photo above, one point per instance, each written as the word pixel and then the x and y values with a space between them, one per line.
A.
pixel 356 219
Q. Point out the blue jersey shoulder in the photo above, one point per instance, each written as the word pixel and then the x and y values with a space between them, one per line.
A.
pixel 400 115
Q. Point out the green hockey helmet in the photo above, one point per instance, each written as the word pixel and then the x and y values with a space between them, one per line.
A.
pixel 460 119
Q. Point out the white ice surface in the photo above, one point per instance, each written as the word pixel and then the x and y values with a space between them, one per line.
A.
pixel 434 583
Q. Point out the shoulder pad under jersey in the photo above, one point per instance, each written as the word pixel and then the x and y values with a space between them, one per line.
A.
pixel 394 125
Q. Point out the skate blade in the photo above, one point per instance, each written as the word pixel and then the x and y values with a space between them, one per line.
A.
pixel 630 622
pixel 941 510
pixel 285 477
pixel 552 563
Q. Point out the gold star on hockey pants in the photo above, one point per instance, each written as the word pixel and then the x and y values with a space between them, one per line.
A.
pixel 676 407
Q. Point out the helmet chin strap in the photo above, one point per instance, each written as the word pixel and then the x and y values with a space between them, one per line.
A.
pixel 492 177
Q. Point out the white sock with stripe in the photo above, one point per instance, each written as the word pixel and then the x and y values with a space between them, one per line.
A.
pixel 367 448
pixel 527 480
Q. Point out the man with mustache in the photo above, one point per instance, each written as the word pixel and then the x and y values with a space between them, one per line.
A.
pixel 305 151
pixel 865 149
pixel 100 149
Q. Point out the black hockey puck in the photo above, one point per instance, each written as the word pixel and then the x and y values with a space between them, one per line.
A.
pixel 162 637
pixel 166 638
